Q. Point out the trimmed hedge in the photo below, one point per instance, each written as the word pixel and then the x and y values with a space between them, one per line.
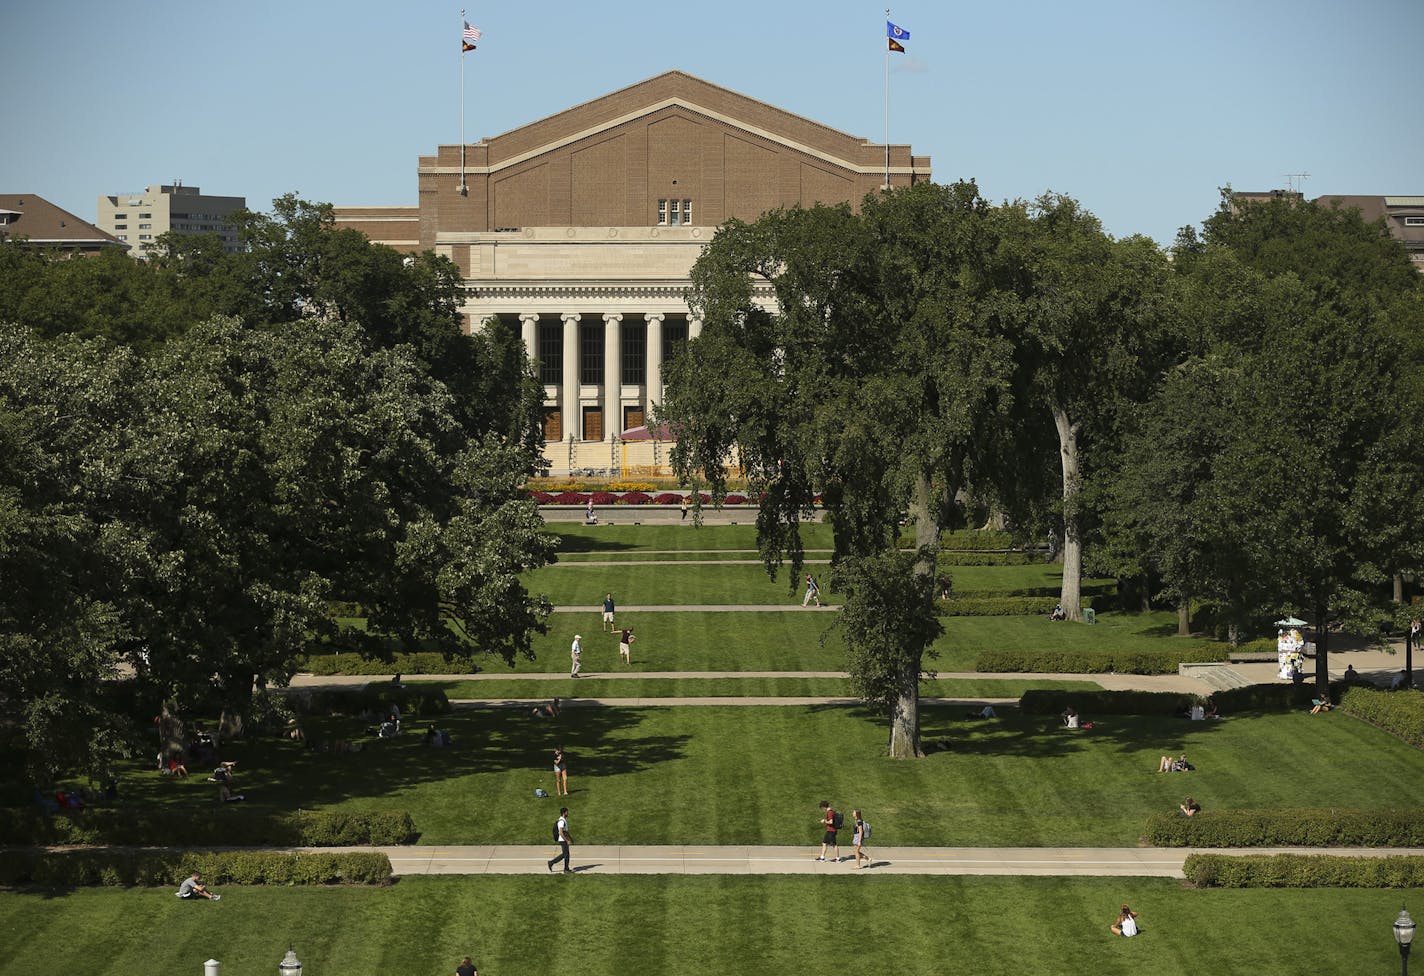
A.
pixel 155 868
pixel 1091 703
pixel 1289 828
pixel 1303 871
pixel 953 558
pixel 416 662
pixel 221 825
pixel 1091 662
pixel 1280 697
pixel 969 540
pixel 1000 606
pixel 1400 713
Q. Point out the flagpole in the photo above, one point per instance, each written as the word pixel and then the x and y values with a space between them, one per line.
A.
pixel 463 189
pixel 887 105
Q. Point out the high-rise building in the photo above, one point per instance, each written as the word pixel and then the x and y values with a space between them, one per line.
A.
pixel 138 218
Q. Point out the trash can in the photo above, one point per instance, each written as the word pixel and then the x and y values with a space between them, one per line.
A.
pixel 1090 616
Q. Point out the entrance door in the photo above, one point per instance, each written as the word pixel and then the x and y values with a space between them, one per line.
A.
pixel 593 423
pixel 633 417
pixel 553 424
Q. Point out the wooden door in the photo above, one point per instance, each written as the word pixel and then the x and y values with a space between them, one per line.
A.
pixel 593 423
pixel 633 417
pixel 553 424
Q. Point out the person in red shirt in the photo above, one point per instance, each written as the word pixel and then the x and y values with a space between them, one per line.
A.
pixel 829 820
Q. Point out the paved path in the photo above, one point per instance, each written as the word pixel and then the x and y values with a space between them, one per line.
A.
pixel 704 859
pixel 596 609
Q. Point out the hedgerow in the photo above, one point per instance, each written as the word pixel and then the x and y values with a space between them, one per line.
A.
pixel 1289 828
pixel 154 867
pixel 1303 871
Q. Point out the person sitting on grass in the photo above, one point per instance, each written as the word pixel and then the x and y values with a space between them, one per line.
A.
pixel 192 887
pixel 1070 718
pixel 1178 765
pixel 550 710
pixel 1126 923
pixel 227 784
pixel 1058 613
pixel 1321 704
pixel 1189 807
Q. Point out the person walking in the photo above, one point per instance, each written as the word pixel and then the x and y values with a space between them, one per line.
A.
pixel 684 509
pixel 813 591
pixel 561 835
pixel 608 612
pixel 862 834
pixel 625 646
pixel 561 773
pixel 576 656
pixel 831 821
pixel 466 968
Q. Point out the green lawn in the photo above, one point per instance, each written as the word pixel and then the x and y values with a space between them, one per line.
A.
pixel 753 775
pixel 625 537
pixel 591 686
pixel 616 926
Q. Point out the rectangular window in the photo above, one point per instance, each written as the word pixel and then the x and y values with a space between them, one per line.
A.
pixel 687 211
pixel 123 237
pixel 591 353
pixel 551 354
pixel 119 216
pixel 663 212
pixel 145 237
pixel 1414 221
pixel 145 227
pixel 674 337
pixel 635 352
pixel 147 216
pixel 121 227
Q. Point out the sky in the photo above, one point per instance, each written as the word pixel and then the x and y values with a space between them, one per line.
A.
pixel 1139 110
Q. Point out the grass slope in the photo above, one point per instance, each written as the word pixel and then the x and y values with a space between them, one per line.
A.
pixel 601 926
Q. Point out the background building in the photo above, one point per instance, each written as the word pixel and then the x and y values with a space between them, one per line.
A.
pixel 138 218
pixel 580 231
pixel 34 220
pixel 1402 215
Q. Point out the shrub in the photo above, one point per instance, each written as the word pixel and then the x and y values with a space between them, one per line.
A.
pixel 735 500
pixel 636 498
pixel 973 539
pixel 1267 698
pixel 1302 871
pixel 1090 703
pixel 1264 645
pixel 418 662
pixel 668 498
pixel 1289 828
pixel 222 825
pixel 1091 662
pixel 570 498
pixel 956 558
pixel 1401 713
pixel 641 487
pixel 603 498
pixel 155 867
pixel 999 606
pixel 541 497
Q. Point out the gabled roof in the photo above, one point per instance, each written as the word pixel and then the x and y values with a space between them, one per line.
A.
pixel 36 220
pixel 673 88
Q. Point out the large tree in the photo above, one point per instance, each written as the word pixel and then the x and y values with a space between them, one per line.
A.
pixel 857 353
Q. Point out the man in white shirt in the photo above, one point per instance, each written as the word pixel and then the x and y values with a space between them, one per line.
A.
pixel 575 656
pixel 561 834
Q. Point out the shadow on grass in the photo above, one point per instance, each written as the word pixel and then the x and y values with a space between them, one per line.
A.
pixel 280 774
pixel 584 543
pixel 1045 737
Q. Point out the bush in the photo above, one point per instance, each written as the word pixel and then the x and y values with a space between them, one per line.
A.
pixel 1283 697
pixel 541 497
pixel 154 868
pixel 667 498
pixel 973 539
pixel 956 558
pixel 222 825
pixel 735 500
pixel 1091 703
pixel 603 498
pixel 570 498
pixel 636 498
pixel 638 487
pixel 1091 662
pixel 1303 871
pixel 1289 828
pixel 418 662
pixel 1400 713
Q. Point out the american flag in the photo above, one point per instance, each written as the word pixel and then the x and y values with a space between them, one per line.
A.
pixel 471 33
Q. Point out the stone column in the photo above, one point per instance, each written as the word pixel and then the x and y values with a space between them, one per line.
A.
pixel 655 361
pixel 573 415
pixel 694 328
pixel 612 375
pixel 529 328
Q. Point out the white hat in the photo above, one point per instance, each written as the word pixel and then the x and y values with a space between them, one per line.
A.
pixel 578 636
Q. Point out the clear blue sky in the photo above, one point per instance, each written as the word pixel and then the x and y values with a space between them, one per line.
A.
pixel 1138 109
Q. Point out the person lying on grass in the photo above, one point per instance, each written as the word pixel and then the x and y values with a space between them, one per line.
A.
pixel 1178 765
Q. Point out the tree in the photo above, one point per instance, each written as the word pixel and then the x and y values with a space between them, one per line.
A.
pixel 876 371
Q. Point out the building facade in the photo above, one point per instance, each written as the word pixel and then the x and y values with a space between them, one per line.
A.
pixel 579 231
pixel 138 218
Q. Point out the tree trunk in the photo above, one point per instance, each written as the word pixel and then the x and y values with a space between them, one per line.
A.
pixel 905 715
pixel 1184 618
pixel 1072 593
pixel 1146 593
pixel 171 740
pixel 1398 587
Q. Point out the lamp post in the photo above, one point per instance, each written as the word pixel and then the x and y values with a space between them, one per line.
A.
pixel 1404 935
pixel 292 966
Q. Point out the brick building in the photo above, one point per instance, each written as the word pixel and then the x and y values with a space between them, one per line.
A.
pixel 580 230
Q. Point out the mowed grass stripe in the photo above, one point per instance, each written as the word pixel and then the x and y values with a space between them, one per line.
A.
pixel 752 775
pixel 611 926
pixel 594 687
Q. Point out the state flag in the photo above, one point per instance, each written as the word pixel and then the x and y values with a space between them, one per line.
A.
pixel 896 34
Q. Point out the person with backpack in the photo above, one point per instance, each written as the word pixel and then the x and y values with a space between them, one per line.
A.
pixel 561 837
pixel 813 591
pixel 862 834
pixel 831 820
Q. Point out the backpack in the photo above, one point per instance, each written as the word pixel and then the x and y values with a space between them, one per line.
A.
pixel 557 838
pixel 865 830
pixel 838 820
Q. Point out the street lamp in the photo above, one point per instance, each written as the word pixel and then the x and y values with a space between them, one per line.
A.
pixel 292 966
pixel 1404 935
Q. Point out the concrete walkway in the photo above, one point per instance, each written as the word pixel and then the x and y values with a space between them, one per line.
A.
pixel 699 859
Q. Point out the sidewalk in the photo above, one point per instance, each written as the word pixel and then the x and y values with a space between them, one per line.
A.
pixel 1154 862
